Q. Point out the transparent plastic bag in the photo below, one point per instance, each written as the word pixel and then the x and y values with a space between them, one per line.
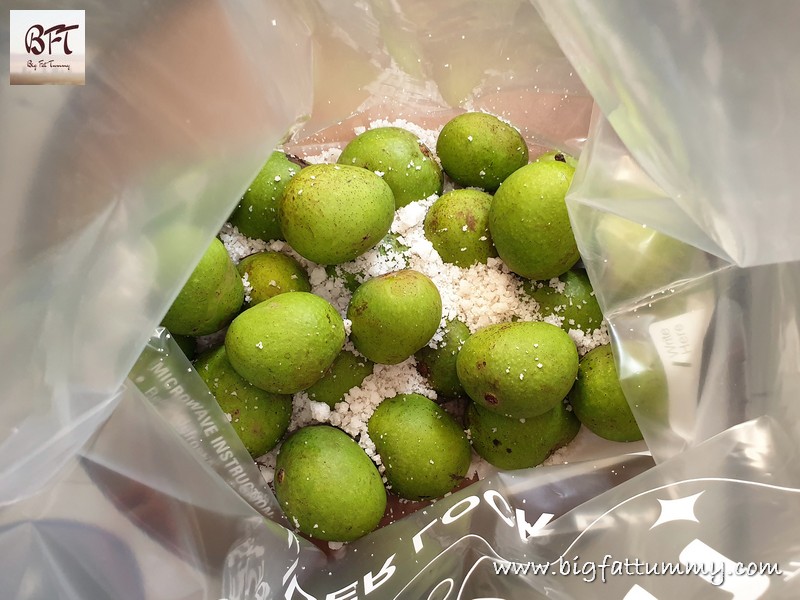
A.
pixel 144 491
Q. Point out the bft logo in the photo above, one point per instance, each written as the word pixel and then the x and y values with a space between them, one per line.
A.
pixel 35 41
pixel 47 47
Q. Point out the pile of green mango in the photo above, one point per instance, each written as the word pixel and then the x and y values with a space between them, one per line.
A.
pixel 524 390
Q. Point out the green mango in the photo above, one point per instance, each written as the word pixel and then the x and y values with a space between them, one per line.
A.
pixel 405 162
pixel 285 344
pixel 346 372
pixel 425 452
pixel 272 273
pixel 458 227
pixel 576 303
pixel 394 315
pixel 438 365
pixel 598 400
pixel 259 418
pixel 210 299
pixel 479 150
pixel 520 443
pixel 327 485
pixel 256 216
pixel 529 222
pixel 331 214
pixel 520 369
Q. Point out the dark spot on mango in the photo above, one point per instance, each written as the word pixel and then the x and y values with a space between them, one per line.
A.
pixel 490 398
pixel 280 476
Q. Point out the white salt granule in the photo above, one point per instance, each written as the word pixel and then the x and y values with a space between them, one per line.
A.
pixel 239 245
pixel 248 287
pixel 589 341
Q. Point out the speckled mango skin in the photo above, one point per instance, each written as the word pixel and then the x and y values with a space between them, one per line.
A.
pixel 529 221
pixel 285 344
pixel 494 151
pixel 331 214
pixel 493 358
pixel 445 223
pixel 210 298
pixel 256 216
pixel 259 418
pixel 438 365
pixel 272 273
pixel 598 400
pixel 394 315
pixel 346 372
pixel 425 452
pixel 576 303
pixel 405 162
pixel 520 444
pixel 327 486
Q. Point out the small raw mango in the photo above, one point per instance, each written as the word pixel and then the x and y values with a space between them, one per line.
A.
pixel 394 315
pixel 479 150
pixel 458 227
pixel 405 162
pixel 529 221
pixel 327 486
pixel 520 443
pixel 438 365
pixel 259 418
pixel 598 400
pixel 519 370
pixel 210 299
pixel 256 216
pixel 425 452
pixel 272 273
pixel 346 372
pixel 285 344
pixel 571 297
pixel 331 214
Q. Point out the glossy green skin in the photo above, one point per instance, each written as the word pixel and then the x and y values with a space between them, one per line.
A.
pixel 558 156
pixel 327 486
pixel 529 221
pixel 394 315
pixel 577 303
pixel 438 365
pixel 445 222
pixel 425 452
pixel 492 359
pixel 520 444
pixel 495 151
pixel 331 214
pixel 346 372
pixel 397 153
pixel 598 400
pixel 273 273
pixel 259 418
pixel 256 216
pixel 210 299
pixel 285 344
